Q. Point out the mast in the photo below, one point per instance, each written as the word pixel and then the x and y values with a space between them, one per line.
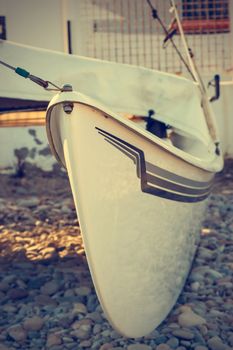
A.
pixel 211 123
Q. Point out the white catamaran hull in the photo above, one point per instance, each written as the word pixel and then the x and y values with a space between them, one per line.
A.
pixel 140 207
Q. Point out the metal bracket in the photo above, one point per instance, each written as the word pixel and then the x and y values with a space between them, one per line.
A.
pixel 215 82
pixel 2 27
pixel 68 106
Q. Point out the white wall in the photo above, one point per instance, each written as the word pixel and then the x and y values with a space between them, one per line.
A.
pixel 223 109
pixel 34 22
pixel 37 23
pixel 16 138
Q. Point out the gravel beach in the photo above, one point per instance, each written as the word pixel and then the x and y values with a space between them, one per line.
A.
pixel 47 299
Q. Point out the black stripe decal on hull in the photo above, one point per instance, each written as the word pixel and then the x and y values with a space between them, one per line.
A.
pixel 151 168
pixel 157 181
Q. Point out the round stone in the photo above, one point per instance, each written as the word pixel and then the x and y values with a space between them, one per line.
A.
pixel 33 324
pixel 81 333
pixel 195 286
pixel 215 343
pixel 97 329
pixel 17 293
pixel 53 339
pixel 4 286
pixel 95 316
pixel 83 291
pixel 29 202
pixel 17 333
pixel 190 319
pixel 139 347
pixel 4 347
pixel 163 347
pixel 231 340
pixel 200 347
pixel 86 344
pixel 173 342
pixel 106 346
pixel 183 334
pixel 9 308
pixel 45 300
pixel 50 288
pixel 79 308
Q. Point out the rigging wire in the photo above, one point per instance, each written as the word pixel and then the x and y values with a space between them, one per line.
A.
pixel 25 74
pixel 192 69
pixel 210 121
pixel 169 37
pixel 188 51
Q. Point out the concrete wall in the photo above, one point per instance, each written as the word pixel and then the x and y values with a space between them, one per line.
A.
pixel 24 144
pixel 223 109
pixel 34 22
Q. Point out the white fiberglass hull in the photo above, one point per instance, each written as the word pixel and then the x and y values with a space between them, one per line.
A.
pixel 140 208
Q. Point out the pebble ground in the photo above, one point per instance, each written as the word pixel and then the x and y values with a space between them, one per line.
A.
pixel 47 299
